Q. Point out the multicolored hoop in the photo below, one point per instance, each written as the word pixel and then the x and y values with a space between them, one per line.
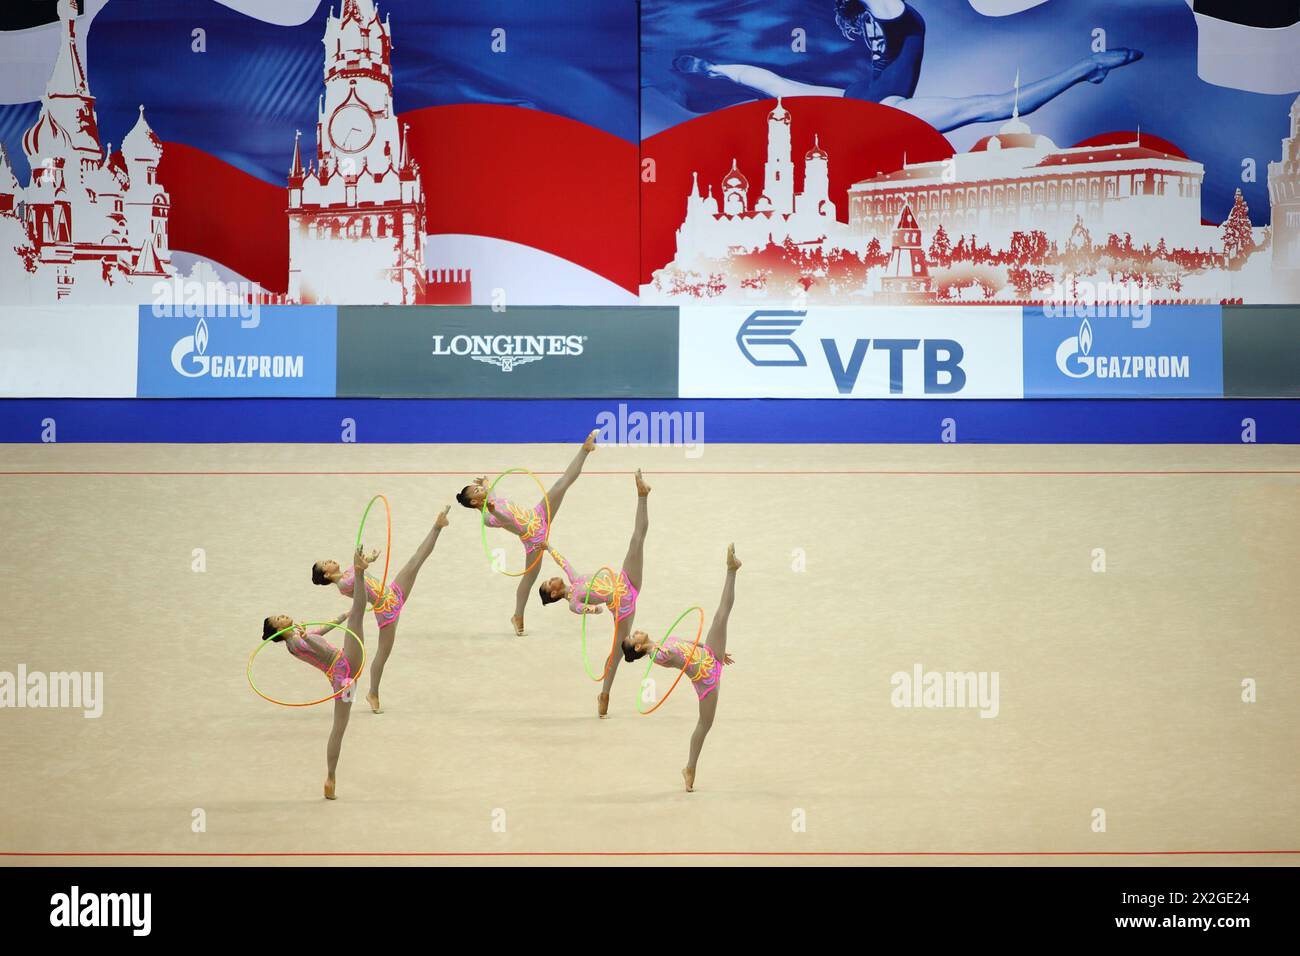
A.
pixel 482 520
pixel 311 703
pixel 613 645
pixel 686 658
pixel 388 544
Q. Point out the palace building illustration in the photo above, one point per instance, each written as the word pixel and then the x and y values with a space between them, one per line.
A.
pixel 1015 219
pixel 1017 180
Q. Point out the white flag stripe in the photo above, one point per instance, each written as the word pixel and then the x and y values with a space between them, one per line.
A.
pixel 283 13
pixel 1003 8
pixel 1253 59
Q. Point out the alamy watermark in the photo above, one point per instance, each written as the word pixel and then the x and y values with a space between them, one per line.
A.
pixel 1074 298
pixel 58 689
pixel 623 428
pixel 944 689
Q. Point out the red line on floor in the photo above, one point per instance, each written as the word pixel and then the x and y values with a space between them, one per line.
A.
pixel 640 853
pixel 738 474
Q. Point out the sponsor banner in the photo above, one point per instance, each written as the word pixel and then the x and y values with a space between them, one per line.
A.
pixel 1108 352
pixel 215 352
pixel 1261 351
pixel 523 352
pixel 65 351
pixel 864 352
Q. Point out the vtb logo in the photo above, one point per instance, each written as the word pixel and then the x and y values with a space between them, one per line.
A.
pixel 766 340
pixel 768 333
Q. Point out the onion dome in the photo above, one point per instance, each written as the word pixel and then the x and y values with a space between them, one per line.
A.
pixel 735 179
pixel 142 143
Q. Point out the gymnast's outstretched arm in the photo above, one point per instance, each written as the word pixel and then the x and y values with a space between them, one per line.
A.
pixel 326 628
pixel 505 518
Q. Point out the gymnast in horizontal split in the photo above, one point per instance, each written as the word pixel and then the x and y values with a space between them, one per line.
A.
pixel 702 663
pixel 530 526
pixel 388 605
pixel 593 594
pixel 338 664
pixel 893 38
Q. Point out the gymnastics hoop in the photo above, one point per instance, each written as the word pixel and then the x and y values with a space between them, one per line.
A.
pixel 388 544
pixel 352 681
pixel 613 644
pixel 686 658
pixel 482 520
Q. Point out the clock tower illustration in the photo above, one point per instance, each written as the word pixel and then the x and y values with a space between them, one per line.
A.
pixel 357 209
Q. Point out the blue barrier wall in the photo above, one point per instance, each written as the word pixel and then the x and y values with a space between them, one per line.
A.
pixel 1156 421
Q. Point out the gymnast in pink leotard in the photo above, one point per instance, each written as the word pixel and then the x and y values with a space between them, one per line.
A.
pixel 529 525
pixel 703 663
pixel 602 591
pixel 337 663
pixel 388 606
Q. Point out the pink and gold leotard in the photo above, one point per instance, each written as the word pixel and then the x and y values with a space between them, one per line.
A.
pixel 703 669
pixel 386 608
pixel 311 646
pixel 530 524
pixel 590 593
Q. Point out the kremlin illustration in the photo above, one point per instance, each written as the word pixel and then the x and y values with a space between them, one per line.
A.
pixel 92 225
pixel 1015 220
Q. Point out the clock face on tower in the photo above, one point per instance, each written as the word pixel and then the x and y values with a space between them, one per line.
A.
pixel 351 128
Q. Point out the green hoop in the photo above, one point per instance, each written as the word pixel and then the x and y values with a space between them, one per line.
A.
pixel 388 546
pixel 686 658
pixel 613 646
pixel 482 520
pixel 311 703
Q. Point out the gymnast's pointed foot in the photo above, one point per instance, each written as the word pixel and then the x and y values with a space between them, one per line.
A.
pixel 642 488
pixel 733 563
pixel 689 776
pixel 517 621
pixel 329 789
pixel 686 63
pixel 372 699
pixel 590 443
pixel 602 706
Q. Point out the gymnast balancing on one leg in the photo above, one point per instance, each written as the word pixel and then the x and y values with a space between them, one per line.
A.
pixel 388 606
pixel 703 664
pixel 529 526
pixel 588 595
pixel 338 664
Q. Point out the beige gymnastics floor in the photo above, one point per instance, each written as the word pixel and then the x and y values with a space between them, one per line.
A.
pixel 1118 690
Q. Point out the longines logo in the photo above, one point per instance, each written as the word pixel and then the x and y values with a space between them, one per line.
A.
pixel 507 352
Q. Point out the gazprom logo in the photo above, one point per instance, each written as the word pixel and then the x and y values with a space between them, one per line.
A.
pixel 1074 358
pixel 190 358
pixel 1080 346
pixel 187 347
pixel 765 339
